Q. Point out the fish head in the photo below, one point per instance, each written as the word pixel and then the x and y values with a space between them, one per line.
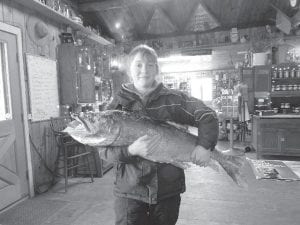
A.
pixel 99 129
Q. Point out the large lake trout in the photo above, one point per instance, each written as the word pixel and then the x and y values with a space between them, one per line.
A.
pixel 119 128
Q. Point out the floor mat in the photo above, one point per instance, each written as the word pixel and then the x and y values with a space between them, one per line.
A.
pixel 31 212
pixel 272 169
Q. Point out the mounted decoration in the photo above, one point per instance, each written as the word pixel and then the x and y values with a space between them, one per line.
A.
pixel 202 20
pixel 283 22
pixel 160 23
pixel 293 3
pixel 38 31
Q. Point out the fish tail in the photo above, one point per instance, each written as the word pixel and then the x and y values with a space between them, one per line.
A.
pixel 233 165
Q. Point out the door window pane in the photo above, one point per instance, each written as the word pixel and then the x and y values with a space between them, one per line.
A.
pixel 5 98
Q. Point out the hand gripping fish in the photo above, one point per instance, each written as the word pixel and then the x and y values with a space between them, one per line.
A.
pixel 119 128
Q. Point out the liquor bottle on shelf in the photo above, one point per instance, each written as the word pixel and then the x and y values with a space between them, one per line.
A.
pixel 280 73
pixel 274 69
pixel 298 71
pixel 293 73
pixel 286 71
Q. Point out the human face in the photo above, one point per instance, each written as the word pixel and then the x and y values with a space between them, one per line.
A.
pixel 143 70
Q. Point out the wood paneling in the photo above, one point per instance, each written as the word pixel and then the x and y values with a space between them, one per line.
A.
pixel 43 152
pixel 16 15
pixel 230 13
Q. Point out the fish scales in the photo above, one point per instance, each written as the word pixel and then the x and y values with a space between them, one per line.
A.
pixel 119 128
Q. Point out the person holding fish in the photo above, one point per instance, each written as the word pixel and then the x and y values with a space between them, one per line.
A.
pixel 148 192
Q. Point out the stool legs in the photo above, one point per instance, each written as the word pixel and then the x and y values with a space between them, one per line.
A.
pixel 66 166
pixel 70 156
pixel 89 165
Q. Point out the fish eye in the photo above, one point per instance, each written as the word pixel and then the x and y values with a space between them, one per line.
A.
pixel 139 65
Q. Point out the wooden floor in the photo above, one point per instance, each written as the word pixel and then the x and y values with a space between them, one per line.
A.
pixel 211 199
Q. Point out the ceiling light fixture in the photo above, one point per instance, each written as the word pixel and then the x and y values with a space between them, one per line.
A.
pixel 117 25
pixel 293 3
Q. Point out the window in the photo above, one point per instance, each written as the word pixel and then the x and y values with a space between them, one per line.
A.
pixel 5 98
pixel 202 88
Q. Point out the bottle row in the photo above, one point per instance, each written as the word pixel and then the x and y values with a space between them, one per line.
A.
pixel 286 72
pixel 286 87
pixel 286 107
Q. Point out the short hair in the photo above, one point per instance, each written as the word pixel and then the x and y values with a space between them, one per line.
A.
pixel 143 50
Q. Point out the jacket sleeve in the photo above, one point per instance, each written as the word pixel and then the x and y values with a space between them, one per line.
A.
pixel 116 154
pixel 195 113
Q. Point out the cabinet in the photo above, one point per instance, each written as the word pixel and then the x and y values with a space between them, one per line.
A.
pixel 247 79
pixel 77 81
pixel 285 81
pixel 262 79
pixel 276 135
pixel 258 81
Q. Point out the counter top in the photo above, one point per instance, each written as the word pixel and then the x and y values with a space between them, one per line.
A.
pixel 279 116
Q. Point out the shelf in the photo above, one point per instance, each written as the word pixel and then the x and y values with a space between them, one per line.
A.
pixel 294 78
pixel 286 80
pixel 58 17
pixel 285 94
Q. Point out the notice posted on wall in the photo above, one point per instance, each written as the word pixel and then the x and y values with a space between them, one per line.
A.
pixel 43 87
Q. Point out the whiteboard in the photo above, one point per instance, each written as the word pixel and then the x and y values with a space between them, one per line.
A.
pixel 43 87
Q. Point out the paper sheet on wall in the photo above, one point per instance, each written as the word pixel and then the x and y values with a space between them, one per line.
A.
pixel 43 87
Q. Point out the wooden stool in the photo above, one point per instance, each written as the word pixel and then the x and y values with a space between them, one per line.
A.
pixel 69 151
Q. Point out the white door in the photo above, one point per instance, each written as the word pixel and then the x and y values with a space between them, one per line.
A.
pixel 13 169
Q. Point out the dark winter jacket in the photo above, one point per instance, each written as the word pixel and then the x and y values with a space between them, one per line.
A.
pixel 144 180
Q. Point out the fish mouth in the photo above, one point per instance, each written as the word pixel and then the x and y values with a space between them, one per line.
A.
pixel 84 122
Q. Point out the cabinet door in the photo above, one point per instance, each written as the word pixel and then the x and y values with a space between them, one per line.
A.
pixel 270 140
pixel 67 73
pixel 86 91
pixel 247 78
pixel 292 141
pixel 262 79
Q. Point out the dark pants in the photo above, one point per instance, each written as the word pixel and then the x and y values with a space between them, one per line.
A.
pixel 134 212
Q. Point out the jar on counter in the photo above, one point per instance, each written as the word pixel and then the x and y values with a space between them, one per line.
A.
pixel 273 88
pixel 290 87
pixel 283 87
pixel 293 73
pixel 282 105
pixel 280 73
pixel 275 72
pixel 287 105
pixel 286 72
pixel 298 72
pixel 297 109
pixel 295 87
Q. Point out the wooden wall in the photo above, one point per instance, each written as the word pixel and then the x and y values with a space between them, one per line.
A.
pixel 16 15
